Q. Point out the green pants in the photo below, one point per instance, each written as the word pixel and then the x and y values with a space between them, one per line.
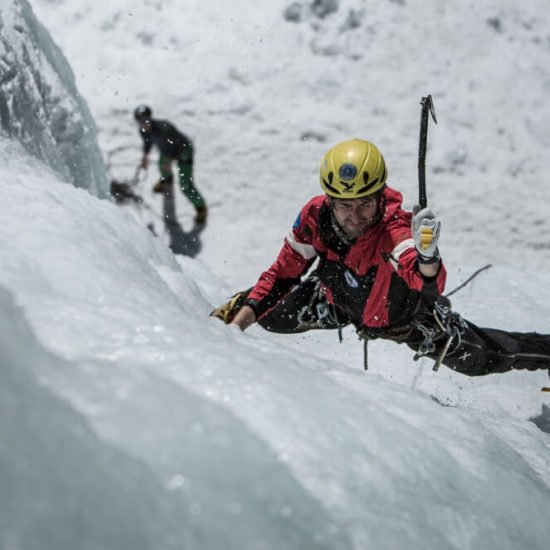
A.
pixel 185 171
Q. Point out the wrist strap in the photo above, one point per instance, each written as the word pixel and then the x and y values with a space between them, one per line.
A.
pixel 428 261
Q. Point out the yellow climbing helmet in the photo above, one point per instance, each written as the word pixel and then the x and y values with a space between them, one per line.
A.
pixel 353 169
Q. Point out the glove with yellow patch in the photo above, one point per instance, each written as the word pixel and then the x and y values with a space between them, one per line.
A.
pixel 226 312
pixel 425 229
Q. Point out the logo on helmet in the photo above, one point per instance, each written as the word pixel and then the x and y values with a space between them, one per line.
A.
pixel 347 172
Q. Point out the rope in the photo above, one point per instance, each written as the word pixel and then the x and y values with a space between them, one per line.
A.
pixel 475 274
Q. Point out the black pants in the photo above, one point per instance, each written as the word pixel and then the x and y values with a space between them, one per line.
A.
pixel 475 351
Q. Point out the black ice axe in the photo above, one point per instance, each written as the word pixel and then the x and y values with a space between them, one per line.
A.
pixel 427 108
pixel 427 344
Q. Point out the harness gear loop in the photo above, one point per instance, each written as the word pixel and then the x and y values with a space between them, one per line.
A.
pixel 319 313
pixel 449 324
pixel 305 315
pixel 427 345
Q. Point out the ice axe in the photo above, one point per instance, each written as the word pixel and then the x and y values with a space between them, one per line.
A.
pixel 427 108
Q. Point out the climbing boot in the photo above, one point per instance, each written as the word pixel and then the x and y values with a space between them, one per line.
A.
pixel 163 186
pixel 201 215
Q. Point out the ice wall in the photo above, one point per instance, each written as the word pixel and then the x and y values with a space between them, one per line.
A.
pixel 62 487
pixel 121 399
pixel 39 103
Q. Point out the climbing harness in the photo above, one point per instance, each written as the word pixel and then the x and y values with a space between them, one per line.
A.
pixel 319 313
pixel 449 324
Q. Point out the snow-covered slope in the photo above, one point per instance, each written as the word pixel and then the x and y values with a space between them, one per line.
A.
pixel 119 393
pixel 265 96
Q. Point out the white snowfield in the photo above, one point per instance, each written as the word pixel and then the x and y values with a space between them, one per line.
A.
pixel 131 419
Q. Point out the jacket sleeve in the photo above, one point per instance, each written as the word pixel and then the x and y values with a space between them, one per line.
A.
pixel 294 259
pixel 147 143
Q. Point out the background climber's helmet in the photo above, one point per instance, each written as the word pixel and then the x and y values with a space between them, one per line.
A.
pixel 142 111
pixel 353 169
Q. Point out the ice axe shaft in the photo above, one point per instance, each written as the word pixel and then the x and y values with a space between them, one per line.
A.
pixel 427 108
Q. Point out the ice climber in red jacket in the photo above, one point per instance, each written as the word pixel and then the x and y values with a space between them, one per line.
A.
pixel 354 256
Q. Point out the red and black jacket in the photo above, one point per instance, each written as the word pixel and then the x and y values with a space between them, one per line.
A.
pixel 373 281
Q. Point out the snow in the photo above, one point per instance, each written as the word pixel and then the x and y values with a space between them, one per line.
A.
pixel 130 419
